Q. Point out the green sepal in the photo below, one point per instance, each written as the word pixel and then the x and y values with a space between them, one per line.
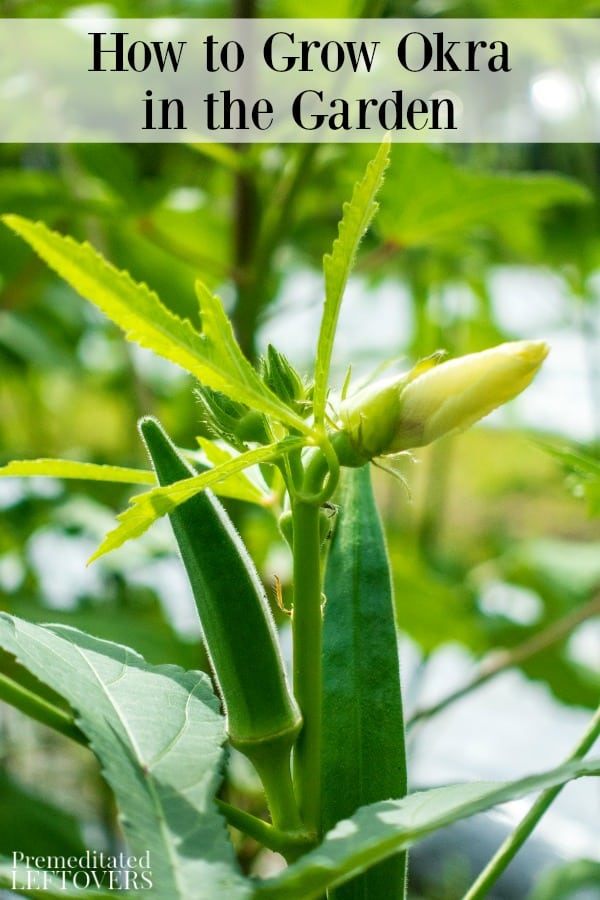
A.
pixel 229 420
pixel 348 455
pixel 284 381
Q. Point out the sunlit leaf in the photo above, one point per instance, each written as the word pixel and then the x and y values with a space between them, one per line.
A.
pixel 213 356
pixel 338 264
pixel 66 468
pixel 236 486
pixel 574 459
pixel 146 508
pixel 239 485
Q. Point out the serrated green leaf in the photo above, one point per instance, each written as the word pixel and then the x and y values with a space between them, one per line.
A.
pixel 337 265
pixel 213 356
pixel 158 733
pixel 363 728
pixel 146 626
pixel 66 468
pixel 378 831
pixel 146 508
pixel 239 485
pixel 241 381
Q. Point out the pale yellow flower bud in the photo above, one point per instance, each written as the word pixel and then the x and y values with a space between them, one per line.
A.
pixel 413 409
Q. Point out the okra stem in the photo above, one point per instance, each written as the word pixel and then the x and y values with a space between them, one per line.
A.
pixel 307 627
pixel 320 479
pixel 275 774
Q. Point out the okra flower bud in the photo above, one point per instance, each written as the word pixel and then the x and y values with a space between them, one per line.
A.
pixel 415 408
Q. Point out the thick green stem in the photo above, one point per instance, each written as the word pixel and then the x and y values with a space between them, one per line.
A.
pixel 276 777
pixel 320 479
pixel 307 628
pixel 496 866
pixel 39 709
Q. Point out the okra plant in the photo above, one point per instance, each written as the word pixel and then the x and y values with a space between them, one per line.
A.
pixel 329 747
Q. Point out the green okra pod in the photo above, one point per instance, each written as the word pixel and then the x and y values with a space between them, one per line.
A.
pixel 364 758
pixel 263 719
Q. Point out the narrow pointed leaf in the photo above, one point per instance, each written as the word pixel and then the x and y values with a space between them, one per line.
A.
pixel 146 508
pixel 157 732
pixel 66 468
pixel 338 264
pixel 239 487
pixel 213 356
pixel 376 832
pixel 574 459
pixel 363 728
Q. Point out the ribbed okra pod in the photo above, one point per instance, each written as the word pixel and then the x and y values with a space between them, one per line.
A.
pixel 263 719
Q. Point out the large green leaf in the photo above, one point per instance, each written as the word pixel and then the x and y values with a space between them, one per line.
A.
pixel 157 732
pixel 382 829
pixel 139 615
pixel 146 508
pixel 428 199
pixel 363 727
pixel 240 485
pixel 338 264
pixel 213 356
